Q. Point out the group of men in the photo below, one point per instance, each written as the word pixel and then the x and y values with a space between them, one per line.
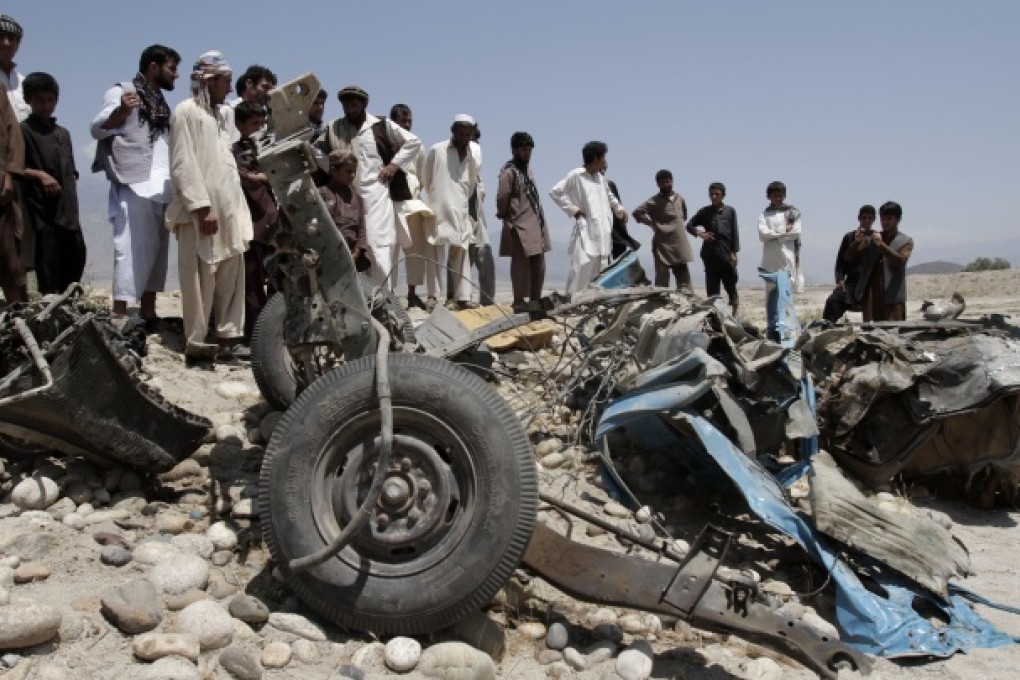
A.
pixel 387 193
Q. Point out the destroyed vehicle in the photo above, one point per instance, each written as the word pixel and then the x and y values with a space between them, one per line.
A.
pixel 73 383
pixel 930 401
pixel 399 491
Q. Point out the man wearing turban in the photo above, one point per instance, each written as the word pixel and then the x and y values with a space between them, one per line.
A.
pixel 209 214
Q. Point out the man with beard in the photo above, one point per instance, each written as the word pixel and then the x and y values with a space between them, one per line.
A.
pixel 315 113
pixel 10 40
pixel 133 150
pixel 382 148
pixel 450 177
pixel 253 86
pixel 525 236
pixel 209 214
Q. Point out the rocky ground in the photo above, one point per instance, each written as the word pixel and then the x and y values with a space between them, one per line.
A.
pixel 108 574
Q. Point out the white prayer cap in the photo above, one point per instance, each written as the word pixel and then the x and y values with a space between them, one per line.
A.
pixel 463 119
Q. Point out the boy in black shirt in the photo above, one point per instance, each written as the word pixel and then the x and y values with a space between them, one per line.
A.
pixel 51 188
pixel 716 225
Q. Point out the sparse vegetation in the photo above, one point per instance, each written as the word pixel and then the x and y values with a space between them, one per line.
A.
pixel 984 264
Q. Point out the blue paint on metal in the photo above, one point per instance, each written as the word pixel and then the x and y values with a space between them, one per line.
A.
pixel 624 272
pixel 883 626
pixel 781 316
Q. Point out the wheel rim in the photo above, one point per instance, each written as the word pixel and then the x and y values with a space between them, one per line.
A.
pixel 428 494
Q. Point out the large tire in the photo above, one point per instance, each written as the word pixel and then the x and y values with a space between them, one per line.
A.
pixel 401 574
pixel 278 376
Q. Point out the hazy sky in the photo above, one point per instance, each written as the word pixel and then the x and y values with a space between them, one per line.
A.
pixel 847 103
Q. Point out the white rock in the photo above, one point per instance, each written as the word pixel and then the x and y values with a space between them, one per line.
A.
pixel 276 655
pixel 369 655
pixel 232 390
pixel 614 509
pixel 296 625
pixel 193 544
pixel 305 651
pixel 153 552
pixel 532 630
pixel 5 596
pixel 575 659
pixel 635 662
pixel 85 509
pixel 7 577
pixel 229 434
pixel 764 668
pixel 402 654
pixel 24 624
pixel 100 516
pixel 777 588
pixel 244 509
pixel 544 448
pixel 35 493
pixel 456 660
pixel 602 615
pixel 209 622
pixel 152 646
pixel 553 461
pixel 221 536
pixel 180 573
pixel 643 515
pixel 174 523
pixel 170 668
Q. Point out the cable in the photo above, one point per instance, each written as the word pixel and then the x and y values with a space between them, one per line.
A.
pixel 364 513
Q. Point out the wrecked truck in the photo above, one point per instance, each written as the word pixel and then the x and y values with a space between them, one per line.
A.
pixel 399 491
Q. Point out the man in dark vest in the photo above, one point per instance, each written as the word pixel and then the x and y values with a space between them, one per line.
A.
pixel 133 150
pixel 385 151
pixel 882 258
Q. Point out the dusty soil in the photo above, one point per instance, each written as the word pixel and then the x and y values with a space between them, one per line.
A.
pixel 92 647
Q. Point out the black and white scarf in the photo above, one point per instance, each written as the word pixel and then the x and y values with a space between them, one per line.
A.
pixel 530 190
pixel 153 108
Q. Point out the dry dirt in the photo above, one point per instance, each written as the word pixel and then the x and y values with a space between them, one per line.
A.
pixel 78 577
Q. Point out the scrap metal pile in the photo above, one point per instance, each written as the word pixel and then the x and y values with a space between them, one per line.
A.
pixel 72 382
pixel 706 406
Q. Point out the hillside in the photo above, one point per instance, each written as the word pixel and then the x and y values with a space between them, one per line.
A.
pixel 937 267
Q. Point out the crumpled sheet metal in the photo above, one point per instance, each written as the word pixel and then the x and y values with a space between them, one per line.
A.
pixel 888 627
pixel 891 392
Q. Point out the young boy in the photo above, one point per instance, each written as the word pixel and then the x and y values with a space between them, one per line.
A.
pixel 716 226
pixel 665 213
pixel 345 205
pixel 779 229
pixel 249 119
pixel 51 192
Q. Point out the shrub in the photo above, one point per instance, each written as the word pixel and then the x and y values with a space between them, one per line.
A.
pixel 984 264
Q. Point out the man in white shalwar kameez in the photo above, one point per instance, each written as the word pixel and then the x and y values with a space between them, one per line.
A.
pixel 421 258
pixel 133 149
pixel 584 195
pixel 382 148
pixel 449 177
pixel 779 231
pixel 209 214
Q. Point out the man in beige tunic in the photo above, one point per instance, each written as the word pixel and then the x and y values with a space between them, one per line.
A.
pixel 208 214
pixel 665 213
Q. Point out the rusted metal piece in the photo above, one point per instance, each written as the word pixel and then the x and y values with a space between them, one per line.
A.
pixel 595 575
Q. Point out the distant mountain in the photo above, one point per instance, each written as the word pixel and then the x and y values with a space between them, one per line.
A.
pixel 937 267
